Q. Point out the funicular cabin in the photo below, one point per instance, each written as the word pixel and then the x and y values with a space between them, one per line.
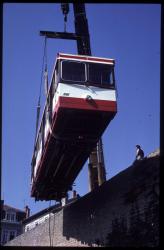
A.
pixel 80 104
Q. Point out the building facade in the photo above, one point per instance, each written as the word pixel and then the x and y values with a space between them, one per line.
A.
pixel 33 221
pixel 11 222
pixel 123 211
pixel 38 218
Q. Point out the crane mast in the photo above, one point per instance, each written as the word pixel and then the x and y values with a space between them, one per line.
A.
pixel 81 30
pixel 96 166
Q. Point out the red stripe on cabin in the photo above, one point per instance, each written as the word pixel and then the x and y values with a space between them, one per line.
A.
pixel 81 103
pixel 87 58
pixel 73 103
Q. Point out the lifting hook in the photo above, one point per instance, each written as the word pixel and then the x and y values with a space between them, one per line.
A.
pixel 65 10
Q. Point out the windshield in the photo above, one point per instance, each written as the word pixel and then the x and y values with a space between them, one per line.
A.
pixel 73 71
pixel 101 73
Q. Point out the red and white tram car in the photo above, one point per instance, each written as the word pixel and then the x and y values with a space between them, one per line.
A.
pixel 81 102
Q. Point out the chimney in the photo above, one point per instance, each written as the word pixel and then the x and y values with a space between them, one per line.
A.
pixel 64 201
pixel 2 203
pixel 74 194
pixel 1 208
pixel 27 211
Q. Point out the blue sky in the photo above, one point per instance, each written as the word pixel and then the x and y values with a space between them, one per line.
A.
pixel 129 33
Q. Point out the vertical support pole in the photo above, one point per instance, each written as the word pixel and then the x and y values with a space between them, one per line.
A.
pixel 93 170
pixel 101 165
pixel 96 166
pixel 1 96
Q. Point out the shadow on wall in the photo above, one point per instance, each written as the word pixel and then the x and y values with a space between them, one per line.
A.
pixel 89 220
pixel 143 230
pixel 79 222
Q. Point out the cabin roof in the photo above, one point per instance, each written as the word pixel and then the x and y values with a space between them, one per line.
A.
pixel 86 58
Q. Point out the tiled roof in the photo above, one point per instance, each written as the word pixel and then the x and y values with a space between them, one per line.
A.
pixel 41 213
pixel 53 208
pixel 6 207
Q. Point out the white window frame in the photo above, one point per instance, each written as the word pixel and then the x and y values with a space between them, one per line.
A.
pixel 5 234
pixel 10 216
pixel 14 233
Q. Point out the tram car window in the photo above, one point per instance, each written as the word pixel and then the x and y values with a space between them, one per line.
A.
pixel 73 71
pixel 100 74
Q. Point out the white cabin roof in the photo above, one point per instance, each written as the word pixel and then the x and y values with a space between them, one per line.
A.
pixel 86 58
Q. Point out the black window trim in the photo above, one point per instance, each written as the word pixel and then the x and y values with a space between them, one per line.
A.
pixel 74 82
pixel 101 85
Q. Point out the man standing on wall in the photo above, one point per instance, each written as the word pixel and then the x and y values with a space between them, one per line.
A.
pixel 139 153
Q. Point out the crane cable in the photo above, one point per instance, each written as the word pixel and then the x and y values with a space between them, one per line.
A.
pixel 44 62
pixel 65 10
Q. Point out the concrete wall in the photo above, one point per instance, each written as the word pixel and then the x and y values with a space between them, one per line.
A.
pixel 131 196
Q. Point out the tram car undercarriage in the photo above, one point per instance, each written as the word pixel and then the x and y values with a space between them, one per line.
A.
pixel 80 104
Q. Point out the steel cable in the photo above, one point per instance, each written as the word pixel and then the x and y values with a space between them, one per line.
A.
pixel 44 62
